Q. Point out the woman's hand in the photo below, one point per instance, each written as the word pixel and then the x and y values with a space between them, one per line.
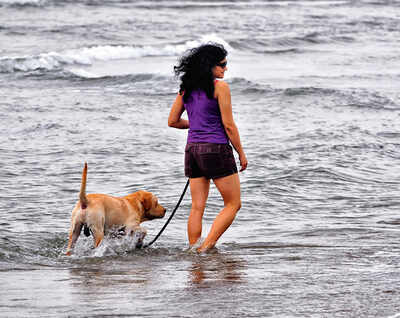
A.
pixel 243 162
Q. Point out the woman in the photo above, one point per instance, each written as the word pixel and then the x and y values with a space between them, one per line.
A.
pixel 208 154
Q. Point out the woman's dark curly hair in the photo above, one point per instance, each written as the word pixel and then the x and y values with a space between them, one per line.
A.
pixel 196 68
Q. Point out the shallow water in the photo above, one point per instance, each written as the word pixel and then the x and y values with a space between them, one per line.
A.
pixel 316 98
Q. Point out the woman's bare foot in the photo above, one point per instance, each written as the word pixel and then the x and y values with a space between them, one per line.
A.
pixel 205 249
pixel 194 247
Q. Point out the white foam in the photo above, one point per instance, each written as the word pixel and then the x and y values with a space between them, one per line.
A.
pixel 89 55
pixel 168 4
pixel 108 246
pixel 179 49
pixel 23 2
pixel 83 73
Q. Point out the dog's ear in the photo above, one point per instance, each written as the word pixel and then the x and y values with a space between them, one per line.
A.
pixel 146 199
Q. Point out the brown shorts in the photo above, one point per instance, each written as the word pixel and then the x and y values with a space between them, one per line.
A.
pixel 209 160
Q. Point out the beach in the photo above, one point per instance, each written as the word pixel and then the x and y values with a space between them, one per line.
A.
pixel 316 97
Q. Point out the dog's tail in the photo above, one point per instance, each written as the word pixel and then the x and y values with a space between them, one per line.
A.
pixel 82 194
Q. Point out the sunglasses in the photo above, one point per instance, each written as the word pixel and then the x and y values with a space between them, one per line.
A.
pixel 222 64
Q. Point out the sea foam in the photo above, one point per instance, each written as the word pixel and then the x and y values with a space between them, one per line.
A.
pixel 36 3
pixel 88 55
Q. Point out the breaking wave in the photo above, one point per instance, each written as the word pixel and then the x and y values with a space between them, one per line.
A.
pixel 88 55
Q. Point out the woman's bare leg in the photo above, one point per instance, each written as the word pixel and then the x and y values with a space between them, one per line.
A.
pixel 229 187
pixel 199 188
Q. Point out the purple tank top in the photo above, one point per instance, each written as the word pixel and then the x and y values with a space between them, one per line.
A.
pixel 205 121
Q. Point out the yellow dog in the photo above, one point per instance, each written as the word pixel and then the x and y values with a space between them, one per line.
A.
pixel 100 213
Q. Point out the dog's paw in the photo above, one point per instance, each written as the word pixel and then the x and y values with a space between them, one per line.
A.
pixel 139 244
pixel 139 237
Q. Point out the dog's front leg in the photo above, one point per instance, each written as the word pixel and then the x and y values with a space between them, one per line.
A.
pixel 139 236
pixel 138 233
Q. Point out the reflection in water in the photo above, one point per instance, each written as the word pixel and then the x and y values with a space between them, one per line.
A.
pixel 215 267
pixel 109 276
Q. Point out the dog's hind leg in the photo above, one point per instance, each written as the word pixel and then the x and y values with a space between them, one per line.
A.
pixel 74 233
pixel 97 230
pixel 97 236
pixel 95 221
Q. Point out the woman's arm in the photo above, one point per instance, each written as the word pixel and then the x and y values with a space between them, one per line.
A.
pixel 223 95
pixel 174 119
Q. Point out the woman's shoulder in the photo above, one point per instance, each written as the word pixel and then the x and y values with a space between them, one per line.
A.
pixel 221 87
pixel 221 84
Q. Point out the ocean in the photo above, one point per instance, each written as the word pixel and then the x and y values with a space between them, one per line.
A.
pixel 316 97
